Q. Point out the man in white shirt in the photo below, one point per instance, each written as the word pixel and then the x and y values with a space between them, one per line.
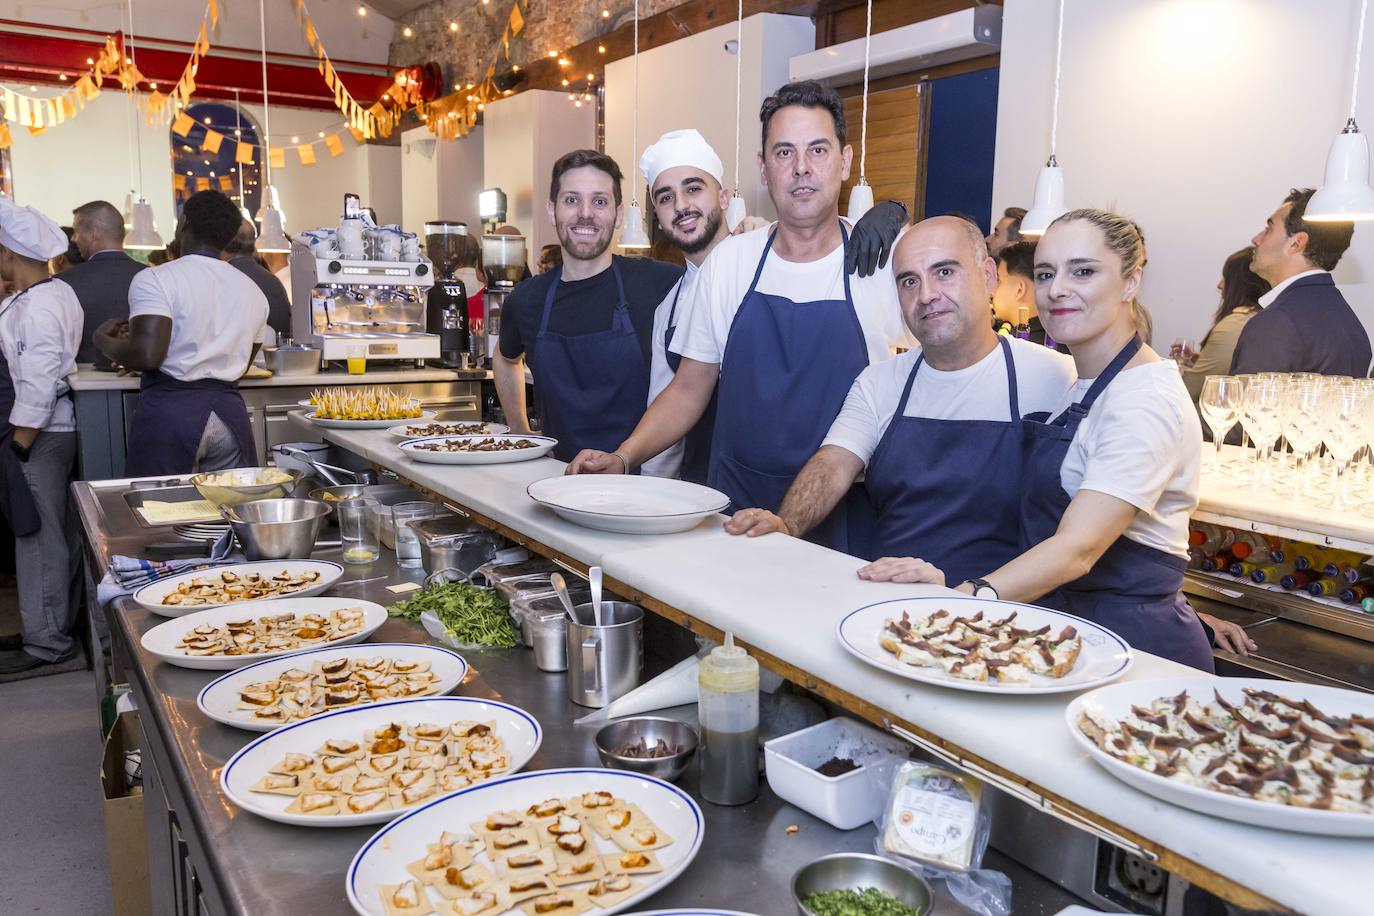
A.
pixel 776 326
pixel 40 331
pixel 194 325
pixel 937 430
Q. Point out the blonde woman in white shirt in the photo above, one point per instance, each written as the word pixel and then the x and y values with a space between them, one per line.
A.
pixel 1108 483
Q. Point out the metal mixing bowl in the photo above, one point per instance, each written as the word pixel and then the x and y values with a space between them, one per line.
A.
pixel 856 871
pixel 615 736
pixel 245 487
pixel 278 529
pixel 298 360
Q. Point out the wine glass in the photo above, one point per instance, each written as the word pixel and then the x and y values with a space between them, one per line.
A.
pixel 1220 403
pixel 1343 416
pixel 1260 416
pixel 1302 425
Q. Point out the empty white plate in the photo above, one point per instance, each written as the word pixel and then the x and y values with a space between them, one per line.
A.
pixel 627 503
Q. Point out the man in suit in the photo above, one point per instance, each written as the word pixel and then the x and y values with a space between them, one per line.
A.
pixel 1304 324
pixel 240 254
pixel 101 280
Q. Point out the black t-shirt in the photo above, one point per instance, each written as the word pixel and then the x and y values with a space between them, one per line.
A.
pixel 586 306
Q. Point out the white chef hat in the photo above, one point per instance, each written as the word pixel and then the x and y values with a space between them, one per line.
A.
pixel 680 147
pixel 25 231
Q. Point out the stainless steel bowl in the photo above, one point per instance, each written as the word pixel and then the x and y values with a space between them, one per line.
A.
pixel 278 529
pixel 615 736
pixel 340 493
pixel 292 361
pixel 856 871
pixel 244 487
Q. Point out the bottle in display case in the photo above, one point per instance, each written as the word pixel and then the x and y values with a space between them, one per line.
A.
pixel 728 683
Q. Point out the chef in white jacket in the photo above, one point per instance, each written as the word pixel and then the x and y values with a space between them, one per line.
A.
pixel 40 331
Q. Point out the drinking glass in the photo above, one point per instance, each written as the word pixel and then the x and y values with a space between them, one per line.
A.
pixel 357 536
pixel 1260 417
pixel 1343 414
pixel 1220 404
pixel 1302 425
pixel 407 541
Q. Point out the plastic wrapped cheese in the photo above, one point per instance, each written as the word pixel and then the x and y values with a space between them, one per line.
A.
pixel 934 817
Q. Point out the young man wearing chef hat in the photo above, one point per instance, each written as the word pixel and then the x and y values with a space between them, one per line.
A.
pixel 40 332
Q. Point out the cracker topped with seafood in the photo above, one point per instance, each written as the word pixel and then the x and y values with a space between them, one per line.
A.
pixel 978 649
pixel 323 684
pixel 272 633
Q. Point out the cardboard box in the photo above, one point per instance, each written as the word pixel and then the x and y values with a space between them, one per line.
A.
pixel 126 837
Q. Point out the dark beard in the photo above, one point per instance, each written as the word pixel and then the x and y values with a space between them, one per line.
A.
pixel 702 242
pixel 572 244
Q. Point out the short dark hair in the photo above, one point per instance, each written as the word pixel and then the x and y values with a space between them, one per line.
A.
pixel 212 218
pixel 1019 258
pixel 1015 214
pixel 102 217
pixel 244 241
pixel 807 94
pixel 582 158
pixel 1326 242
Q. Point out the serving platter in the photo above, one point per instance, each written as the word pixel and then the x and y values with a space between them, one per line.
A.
pixel 628 503
pixel 220 698
pixel 413 449
pixel 1104 656
pixel 162 639
pixel 488 429
pixel 308 404
pixel 1114 703
pixel 424 417
pixel 383 858
pixel 151 595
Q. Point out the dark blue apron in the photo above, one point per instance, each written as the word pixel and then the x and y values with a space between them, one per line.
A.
pixel 786 370
pixel 1133 590
pixel 949 491
pixel 696 445
pixel 16 498
pixel 592 388
pixel 170 419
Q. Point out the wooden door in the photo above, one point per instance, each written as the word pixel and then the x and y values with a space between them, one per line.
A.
pixel 894 144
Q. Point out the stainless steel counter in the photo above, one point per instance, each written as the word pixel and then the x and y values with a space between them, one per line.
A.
pixel 207 856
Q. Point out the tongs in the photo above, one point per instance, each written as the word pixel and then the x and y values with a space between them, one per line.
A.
pixel 331 472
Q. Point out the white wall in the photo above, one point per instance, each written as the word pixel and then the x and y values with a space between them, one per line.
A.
pixel 522 138
pixel 461 165
pixel 1195 117
pixel 440 179
pixel 419 178
pixel 691 83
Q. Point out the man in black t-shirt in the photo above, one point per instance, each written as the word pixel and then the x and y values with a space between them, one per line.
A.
pixel 585 328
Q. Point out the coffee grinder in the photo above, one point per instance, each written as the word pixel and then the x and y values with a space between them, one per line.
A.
pixel 503 261
pixel 446 309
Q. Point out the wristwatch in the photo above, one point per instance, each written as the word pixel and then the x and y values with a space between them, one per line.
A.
pixel 982 588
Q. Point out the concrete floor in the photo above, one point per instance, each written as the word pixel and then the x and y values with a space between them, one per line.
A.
pixel 52 827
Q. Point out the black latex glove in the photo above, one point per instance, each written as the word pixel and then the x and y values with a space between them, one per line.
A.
pixel 20 451
pixel 872 238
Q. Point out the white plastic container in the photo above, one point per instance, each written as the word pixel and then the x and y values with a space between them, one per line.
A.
pixel 847 801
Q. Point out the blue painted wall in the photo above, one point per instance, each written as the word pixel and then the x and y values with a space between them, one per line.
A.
pixel 963 133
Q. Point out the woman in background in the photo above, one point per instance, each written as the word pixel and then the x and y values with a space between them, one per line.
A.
pixel 1240 292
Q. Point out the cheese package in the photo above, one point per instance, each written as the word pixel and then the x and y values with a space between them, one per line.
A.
pixel 934 817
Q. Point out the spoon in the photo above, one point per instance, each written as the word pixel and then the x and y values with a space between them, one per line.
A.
pixel 562 588
pixel 594 577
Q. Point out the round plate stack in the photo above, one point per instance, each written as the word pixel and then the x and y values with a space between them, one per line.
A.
pixel 628 504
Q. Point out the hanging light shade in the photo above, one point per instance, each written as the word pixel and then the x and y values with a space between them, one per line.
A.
pixel 1345 195
pixel 860 200
pixel 1048 204
pixel 272 239
pixel 128 211
pixel 143 232
pixel 633 234
pixel 735 212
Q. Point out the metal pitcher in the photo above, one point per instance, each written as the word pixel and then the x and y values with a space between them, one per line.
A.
pixel 604 663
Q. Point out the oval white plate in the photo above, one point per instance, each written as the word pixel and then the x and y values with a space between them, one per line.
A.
pixel 402 432
pixel 309 405
pixel 628 503
pixel 690 912
pixel 518 730
pixel 162 639
pixel 383 858
pixel 521 454
pixel 150 596
pixel 1115 702
pixel 220 698
pixel 1103 658
pixel 424 417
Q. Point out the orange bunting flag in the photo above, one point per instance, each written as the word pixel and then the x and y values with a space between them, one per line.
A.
pixel 335 145
pixel 86 89
pixel 37 130
pixel 182 124
pixel 517 22
pixel 11 108
pixel 307 153
pixel 244 154
pixel 212 141
pixel 310 37
pixel 226 183
pixel 214 13
pixel 357 135
pixel 202 184
pixel 56 113
pixel 179 182
pixel 276 157
pixel 68 106
pixel 6 141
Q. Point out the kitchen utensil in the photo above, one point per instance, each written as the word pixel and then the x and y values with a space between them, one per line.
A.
pixel 284 457
pixel 729 711
pixel 561 588
pixel 339 493
pixel 613 738
pixel 845 801
pixel 856 871
pixel 241 485
pixel 277 529
pixel 594 579
pixel 604 662
pixel 357 535
pixel 293 360
pixel 628 504
pixel 547 635
pixel 528 606
pixel 453 542
pixel 407 540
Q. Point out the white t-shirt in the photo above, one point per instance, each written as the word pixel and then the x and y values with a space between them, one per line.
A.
pixel 1142 443
pixel 40 332
pixel 667 463
pixel 217 315
pixel 978 392
pixel 725 278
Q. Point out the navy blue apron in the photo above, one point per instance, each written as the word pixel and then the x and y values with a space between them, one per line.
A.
pixel 786 370
pixel 170 419
pixel 1133 590
pixel 592 388
pixel 949 491
pixel 696 445
pixel 16 498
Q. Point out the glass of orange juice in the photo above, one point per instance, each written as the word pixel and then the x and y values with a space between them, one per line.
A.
pixel 357 359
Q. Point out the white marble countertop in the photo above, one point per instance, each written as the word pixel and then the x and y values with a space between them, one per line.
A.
pixel 785 596
pixel 87 378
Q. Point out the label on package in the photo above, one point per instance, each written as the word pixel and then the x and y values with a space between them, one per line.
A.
pixel 932 824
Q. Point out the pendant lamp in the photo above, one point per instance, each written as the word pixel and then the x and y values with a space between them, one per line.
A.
pixel 1048 204
pixel 735 211
pixel 861 195
pixel 271 237
pixel 633 234
pixel 143 235
pixel 1345 194
pixel 129 207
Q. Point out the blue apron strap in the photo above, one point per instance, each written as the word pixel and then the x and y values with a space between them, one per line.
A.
pixel 672 312
pixel 906 392
pixel 620 318
pixel 763 259
pixel 1113 369
pixel 1013 396
pixel 548 298
pixel 844 243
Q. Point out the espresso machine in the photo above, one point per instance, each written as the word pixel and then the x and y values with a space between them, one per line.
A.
pixel 503 261
pixel 446 308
